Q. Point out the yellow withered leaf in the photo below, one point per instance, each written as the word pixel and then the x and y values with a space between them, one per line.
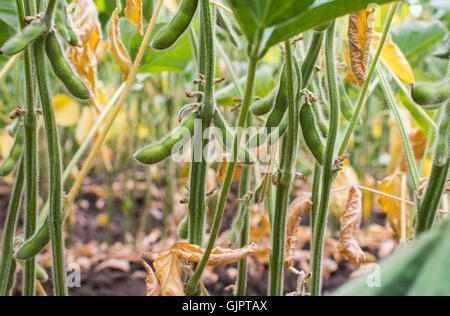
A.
pixel 219 256
pixel 85 124
pixel 223 170
pixel 418 142
pixel 395 58
pixel 295 212
pixel 347 177
pixel 168 271
pixel 133 12
pixel 393 185
pixel 369 182
pixel 349 247
pixel 116 46
pixel 6 142
pixel 67 111
pixel 151 282
pixel 360 35
pixel 85 20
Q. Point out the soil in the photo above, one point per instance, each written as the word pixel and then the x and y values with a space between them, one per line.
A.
pixel 111 282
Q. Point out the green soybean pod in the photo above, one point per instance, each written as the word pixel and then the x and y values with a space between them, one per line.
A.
pixel 183 228
pixel 270 135
pixel 41 274
pixel 431 95
pixel 20 41
pixel 63 69
pixel 31 247
pixel 8 164
pixel 281 102
pixel 238 222
pixel 64 24
pixel 442 147
pixel 211 207
pixel 320 121
pixel 347 109
pixel 226 138
pixel 263 106
pixel 311 134
pixel 179 24
pixel 156 153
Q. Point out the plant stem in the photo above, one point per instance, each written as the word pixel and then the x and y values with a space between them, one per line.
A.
pixel 363 95
pixel 284 185
pixel 327 177
pixel 199 165
pixel 30 153
pixel 9 230
pixel 193 282
pixel 315 198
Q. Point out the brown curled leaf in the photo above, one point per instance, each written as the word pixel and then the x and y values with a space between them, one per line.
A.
pixel 349 247
pixel 116 46
pixel 219 256
pixel 295 212
pixel 360 35
pixel 151 282
pixel 85 20
pixel 133 13
pixel 168 271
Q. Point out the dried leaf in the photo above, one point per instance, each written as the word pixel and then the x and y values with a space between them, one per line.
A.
pixel 116 46
pixel 347 177
pixel 133 12
pixel 168 272
pixel 393 185
pixel 418 142
pixel 349 247
pixel 219 256
pixel 85 20
pixel 369 182
pixel 295 212
pixel 395 58
pixel 360 35
pixel 67 111
pixel 6 142
pixel 223 170
pixel 114 264
pixel 153 288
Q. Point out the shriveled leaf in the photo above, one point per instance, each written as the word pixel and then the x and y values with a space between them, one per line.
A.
pixel 116 46
pixel 67 111
pixel 223 170
pixel 369 182
pixel 393 185
pixel 114 264
pixel 360 35
pixel 418 142
pixel 219 256
pixel 295 212
pixel 85 20
pixel 133 12
pixel 6 142
pixel 395 58
pixel 347 177
pixel 151 282
pixel 168 271
pixel 349 247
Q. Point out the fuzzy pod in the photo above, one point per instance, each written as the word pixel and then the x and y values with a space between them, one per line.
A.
pixel 311 134
pixel 265 105
pixel 322 124
pixel 179 24
pixel 347 109
pixel 25 37
pixel 431 95
pixel 8 164
pixel 281 102
pixel 31 247
pixel 442 147
pixel 64 25
pixel 156 153
pixel 226 139
pixel 183 228
pixel 63 69
pixel 41 274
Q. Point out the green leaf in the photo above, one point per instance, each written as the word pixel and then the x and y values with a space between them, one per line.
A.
pixel 8 21
pixel 274 21
pixel 174 59
pixel 414 38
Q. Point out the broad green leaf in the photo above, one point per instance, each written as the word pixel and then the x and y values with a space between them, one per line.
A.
pixel 8 20
pixel 414 38
pixel 175 59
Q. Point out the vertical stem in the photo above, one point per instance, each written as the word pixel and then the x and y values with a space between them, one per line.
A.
pixel 9 230
pixel 315 198
pixel 327 177
pixel 284 186
pixel 30 153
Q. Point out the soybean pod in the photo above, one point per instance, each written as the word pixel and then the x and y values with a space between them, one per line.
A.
pixel 310 133
pixel 281 102
pixel 156 153
pixel 429 95
pixel 321 123
pixel 263 106
pixel 63 69
pixel 28 35
pixel 64 24
pixel 179 24
pixel 239 221
pixel 183 228
pixel 347 108
pixel 226 139
pixel 8 164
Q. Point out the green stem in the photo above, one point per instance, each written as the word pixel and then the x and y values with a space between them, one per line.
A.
pixel 9 230
pixel 363 95
pixel 315 197
pixel 193 282
pixel 53 147
pixel 31 153
pixel 284 185
pixel 199 164
pixel 310 60
pixel 327 177
pixel 405 139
